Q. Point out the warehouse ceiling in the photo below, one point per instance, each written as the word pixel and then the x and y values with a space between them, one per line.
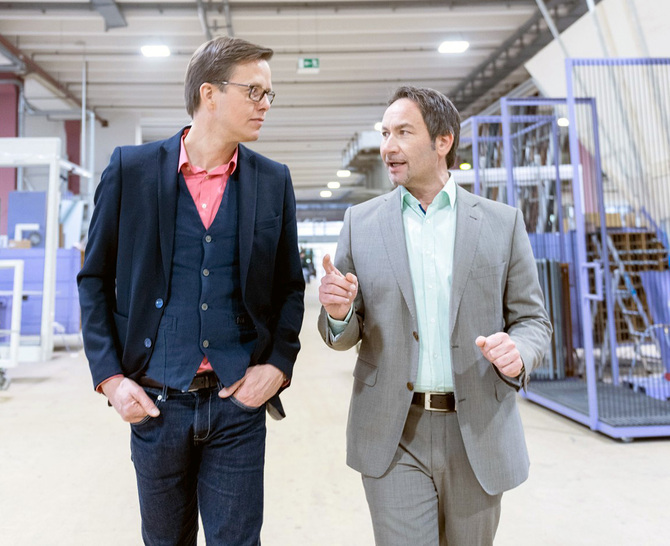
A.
pixel 365 49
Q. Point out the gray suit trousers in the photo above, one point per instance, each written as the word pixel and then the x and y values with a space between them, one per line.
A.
pixel 430 495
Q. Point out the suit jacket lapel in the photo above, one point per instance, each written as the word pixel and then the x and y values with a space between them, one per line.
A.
pixel 246 176
pixel 393 235
pixel 468 225
pixel 168 162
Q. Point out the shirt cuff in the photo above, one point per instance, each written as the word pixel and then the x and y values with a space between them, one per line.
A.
pixel 338 326
pixel 99 387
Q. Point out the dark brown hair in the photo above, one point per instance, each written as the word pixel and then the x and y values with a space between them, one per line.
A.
pixel 438 112
pixel 215 61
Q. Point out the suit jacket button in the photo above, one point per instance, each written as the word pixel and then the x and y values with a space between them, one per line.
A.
pixel 147 343
pixel 410 386
pixel 159 303
pixel 416 335
pixel 205 344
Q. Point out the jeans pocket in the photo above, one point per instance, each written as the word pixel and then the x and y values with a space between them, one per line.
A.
pixel 248 409
pixel 144 420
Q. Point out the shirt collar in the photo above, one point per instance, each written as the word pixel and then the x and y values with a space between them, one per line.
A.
pixel 445 197
pixel 185 166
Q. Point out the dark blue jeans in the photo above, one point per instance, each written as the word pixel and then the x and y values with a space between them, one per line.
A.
pixel 201 453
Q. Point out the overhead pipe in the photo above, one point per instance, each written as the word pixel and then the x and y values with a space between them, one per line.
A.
pixel 33 67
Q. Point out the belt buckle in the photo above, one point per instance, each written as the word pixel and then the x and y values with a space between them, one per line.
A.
pixel 427 397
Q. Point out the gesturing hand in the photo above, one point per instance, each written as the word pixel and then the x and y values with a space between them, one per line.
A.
pixel 337 292
pixel 501 351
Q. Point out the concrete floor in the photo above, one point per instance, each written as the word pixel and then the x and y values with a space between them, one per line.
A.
pixel 66 476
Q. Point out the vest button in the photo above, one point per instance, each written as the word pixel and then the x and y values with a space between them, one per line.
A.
pixel 205 272
pixel 205 344
pixel 208 238
pixel 410 386
pixel 204 307
pixel 416 335
pixel 147 343
pixel 159 303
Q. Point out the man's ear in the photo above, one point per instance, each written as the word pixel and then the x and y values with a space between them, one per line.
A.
pixel 443 144
pixel 207 94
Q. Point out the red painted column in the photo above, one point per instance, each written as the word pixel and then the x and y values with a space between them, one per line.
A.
pixel 9 114
pixel 73 150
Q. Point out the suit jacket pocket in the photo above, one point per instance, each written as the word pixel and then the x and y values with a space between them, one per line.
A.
pixel 365 372
pixel 268 223
pixel 488 271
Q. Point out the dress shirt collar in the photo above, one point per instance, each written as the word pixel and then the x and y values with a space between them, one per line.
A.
pixel 445 197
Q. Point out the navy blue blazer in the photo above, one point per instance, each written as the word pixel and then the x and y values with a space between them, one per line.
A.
pixel 128 258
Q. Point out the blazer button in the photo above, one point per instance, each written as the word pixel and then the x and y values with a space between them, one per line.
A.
pixel 205 272
pixel 204 307
pixel 147 343
pixel 205 344
pixel 410 386
pixel 159 303
pixel 208 238
pixel 416 335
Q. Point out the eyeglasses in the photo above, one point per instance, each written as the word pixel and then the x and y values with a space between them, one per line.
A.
pixel 256 92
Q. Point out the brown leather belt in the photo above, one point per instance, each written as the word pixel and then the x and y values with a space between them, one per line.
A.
pixel 436 401
pixel 201 381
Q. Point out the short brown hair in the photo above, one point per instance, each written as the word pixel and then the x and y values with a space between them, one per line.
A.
pixel 438 112
pixel 215 61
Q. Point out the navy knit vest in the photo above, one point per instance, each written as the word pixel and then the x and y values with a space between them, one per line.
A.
pixel 205 314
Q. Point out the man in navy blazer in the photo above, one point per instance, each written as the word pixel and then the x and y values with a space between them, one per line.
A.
pixel 192 301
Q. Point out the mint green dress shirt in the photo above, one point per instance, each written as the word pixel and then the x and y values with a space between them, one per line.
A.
pixel 429 237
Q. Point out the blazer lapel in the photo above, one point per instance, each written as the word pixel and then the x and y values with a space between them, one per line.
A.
pixel 468 226
pixel 246 176
pixel 393 235
pixel 168 162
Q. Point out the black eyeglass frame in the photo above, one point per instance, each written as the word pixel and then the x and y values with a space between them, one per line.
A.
pixel 270 94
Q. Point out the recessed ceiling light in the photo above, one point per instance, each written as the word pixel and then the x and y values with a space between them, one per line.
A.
pixel 453 46
pixel 333 185
pixel 465 166
pixel 155 51
pixel 563 122
pixel 378 126
pixel 344 173
pixel 326 193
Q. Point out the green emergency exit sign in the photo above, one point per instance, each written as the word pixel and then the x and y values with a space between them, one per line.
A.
pixel 308 65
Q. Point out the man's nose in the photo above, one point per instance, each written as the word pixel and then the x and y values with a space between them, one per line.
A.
pixel 388 145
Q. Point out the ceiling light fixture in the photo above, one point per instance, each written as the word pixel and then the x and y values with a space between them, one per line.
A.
pixel 334 185
pixel 326 193
pixel 155 51
pixel 344 173
pixel 465 166
pixel 563 122
pixel 453 46
pixel 378 126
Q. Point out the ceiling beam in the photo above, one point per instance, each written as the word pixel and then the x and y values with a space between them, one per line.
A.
pixel 514 52
pixel 31 67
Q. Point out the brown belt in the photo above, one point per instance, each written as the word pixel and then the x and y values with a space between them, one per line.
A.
pixel 201 381
pixel 436 401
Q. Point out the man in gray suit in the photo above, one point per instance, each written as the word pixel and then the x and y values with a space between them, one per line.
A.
pixel 440 286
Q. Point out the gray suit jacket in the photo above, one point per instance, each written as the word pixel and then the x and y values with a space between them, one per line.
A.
pixel 494 288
